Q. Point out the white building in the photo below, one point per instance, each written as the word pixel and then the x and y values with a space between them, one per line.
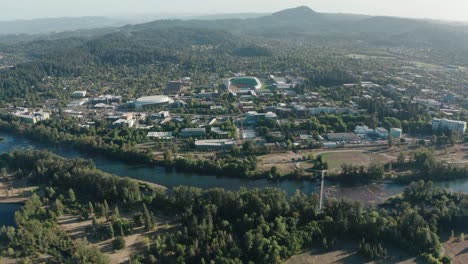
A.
pixel 396 132
pixel 252 117
pixel 155 100
pixel 213 144
pixel 363 130
pixel 381 132
pixel 446 124
pixel 79 94
pixel 160 135
pixel 125 122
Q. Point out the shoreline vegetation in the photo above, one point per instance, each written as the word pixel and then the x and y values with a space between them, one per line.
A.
pixel 405 170
pixel 241 167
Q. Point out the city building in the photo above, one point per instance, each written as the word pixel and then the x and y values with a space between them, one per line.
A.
pixel 163 114
pixel 338 137
pixel 253 117
pixel 160 135
pixel 381 132
pixel 149 101
pixel 214 144
pixel 31 117
pixel 396 132
pixel 325 110
pixel 219 132
pixel 76 103
pixel 193 132
pixel 446 124
pixel 79 94
pixel 124 122
pixel 280 82
pixel 363 130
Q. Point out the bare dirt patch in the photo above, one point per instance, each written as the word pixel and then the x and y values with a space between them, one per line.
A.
pixel 456 250
pixel 346 254
pixel 14 191
pixel 286 161
pixel 135 242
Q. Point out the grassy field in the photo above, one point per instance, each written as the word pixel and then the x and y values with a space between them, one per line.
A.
pixel 359 158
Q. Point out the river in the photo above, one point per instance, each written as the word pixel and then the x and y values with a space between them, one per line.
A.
pixel 171 178
pixel 7 213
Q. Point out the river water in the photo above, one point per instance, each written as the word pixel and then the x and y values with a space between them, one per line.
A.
pixel 171 178
pixel 7 214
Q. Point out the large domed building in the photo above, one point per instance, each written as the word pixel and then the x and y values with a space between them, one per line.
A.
pixel 155 100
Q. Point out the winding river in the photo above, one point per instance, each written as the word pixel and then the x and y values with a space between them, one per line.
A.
pixel 170 178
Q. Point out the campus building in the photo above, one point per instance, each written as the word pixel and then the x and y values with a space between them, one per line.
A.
pixel 446 124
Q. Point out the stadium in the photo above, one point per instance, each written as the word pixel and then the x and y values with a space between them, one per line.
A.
pixel 243 83
pixel 155 100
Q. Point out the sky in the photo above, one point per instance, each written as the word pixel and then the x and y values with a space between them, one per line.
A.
pixel 29 9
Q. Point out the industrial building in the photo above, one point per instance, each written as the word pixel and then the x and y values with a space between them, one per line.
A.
pixel 396 132
pixel 155 100
pixel 214 144
pixel 79 94
pixel 338 137
pixel 253 117
pixel 439 125
pixel 381 132
pixel 31 117
pixel 192 132
pixel 363 130
pixel 160 135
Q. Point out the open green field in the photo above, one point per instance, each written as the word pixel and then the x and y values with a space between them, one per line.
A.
pixel 355 157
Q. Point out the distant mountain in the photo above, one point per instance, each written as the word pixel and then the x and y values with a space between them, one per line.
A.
pixel 305 23
pixel 240 34
pixel 227 16
pixel 294 13
pixel 53 25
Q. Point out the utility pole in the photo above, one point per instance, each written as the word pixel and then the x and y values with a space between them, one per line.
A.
pixel 321 190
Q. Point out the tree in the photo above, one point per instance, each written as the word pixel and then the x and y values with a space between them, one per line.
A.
pixel 90 208
pixel 116 212
pixel 148 219
pixel 376 170
pixel 58 207
pixel 118 243
pixel 71 195
pixel 110 228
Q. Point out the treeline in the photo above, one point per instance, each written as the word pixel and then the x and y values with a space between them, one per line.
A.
pixel 265 226
pixel 119 142
pixel 354 173
pixel 45 168
pixel 59 134
pixel 422 165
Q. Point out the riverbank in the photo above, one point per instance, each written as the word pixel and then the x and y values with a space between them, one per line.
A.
pixel 171 178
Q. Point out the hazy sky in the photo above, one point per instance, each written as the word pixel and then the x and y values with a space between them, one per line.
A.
pixel 27 9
